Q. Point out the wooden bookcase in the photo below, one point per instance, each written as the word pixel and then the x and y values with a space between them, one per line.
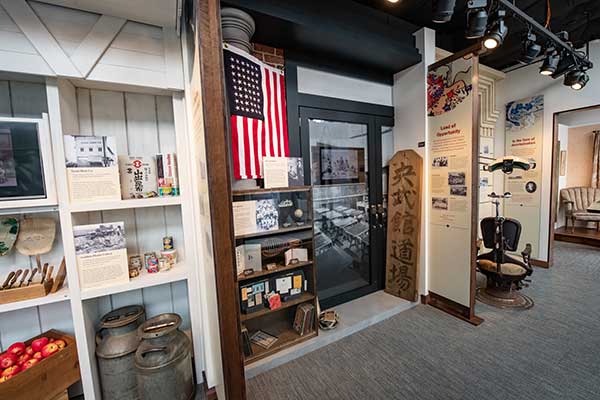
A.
pixel 279 322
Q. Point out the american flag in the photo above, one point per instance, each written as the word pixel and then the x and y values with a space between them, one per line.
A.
pixel 256 94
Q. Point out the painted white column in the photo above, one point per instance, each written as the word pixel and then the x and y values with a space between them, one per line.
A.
pixel 410 126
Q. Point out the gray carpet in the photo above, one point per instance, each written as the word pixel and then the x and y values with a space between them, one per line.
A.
pixel 549 352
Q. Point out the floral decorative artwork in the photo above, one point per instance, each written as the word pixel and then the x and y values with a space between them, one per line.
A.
pixel 447 88
pixel 524 113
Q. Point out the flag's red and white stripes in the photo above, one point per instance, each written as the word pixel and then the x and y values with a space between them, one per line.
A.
pixel 253 139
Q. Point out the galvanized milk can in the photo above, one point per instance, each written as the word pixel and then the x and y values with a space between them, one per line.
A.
pixel 163 360
pixel 116 343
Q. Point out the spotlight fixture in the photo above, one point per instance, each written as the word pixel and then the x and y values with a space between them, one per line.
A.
pixel 497 33
pixel 476 23
pixel 576 79
pixel 393 1
pixel 550 62
pixel 443 10
pixel 530 48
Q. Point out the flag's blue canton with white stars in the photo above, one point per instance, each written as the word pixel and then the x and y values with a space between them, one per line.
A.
pixel 244 86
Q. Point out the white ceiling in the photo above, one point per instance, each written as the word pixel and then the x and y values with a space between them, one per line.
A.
pixel 153 12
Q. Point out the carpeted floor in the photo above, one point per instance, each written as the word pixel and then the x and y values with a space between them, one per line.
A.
pixel 549 352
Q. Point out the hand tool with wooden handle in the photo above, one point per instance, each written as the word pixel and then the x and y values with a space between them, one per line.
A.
pixel 49 273
pixel 35 270
pixel 43 272
pixel 14 279
pixel 8 279
pixel 24 277
pixel 60 276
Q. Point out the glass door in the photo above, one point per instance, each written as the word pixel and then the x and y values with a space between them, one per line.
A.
pixel 343 163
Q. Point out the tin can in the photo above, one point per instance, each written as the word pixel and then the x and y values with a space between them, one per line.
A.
pixel 170 255
pixel 164 264
pixel 168 243
pixel 151 262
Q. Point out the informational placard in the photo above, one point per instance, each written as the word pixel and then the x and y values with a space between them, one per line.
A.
pixel 523 132
pixel 452 146
pixel 275 171
pixel 101 254
pixel 404 225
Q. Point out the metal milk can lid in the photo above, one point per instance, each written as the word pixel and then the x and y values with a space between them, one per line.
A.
pixel 117 332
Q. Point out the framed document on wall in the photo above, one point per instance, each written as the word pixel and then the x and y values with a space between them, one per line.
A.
pixel 26 170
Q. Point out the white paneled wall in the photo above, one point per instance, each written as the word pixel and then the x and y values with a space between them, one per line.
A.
pixel 143 125
pixel 28 99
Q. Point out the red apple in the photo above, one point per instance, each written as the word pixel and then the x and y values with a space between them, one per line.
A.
pixel 29 350
pixel 22 358
pixel 16 348
pixel 7 360
pixel 10 371
pixel 49 349
pixel 30 363
pixel 39 343
pixel 5 378
pixel 38 356
pixel 60 343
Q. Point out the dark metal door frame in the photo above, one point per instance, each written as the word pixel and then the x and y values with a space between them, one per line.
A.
pixel 375 188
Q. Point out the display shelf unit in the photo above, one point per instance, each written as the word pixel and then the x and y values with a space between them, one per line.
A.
pixel 279 269
pixel 279 322
pixel 125 204
pixel 145 280
pixel 60 295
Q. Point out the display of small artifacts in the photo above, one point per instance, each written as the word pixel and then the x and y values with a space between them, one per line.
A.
pixel 170 256
pixel 275 171
pixel 273 301
pixel 135 266
pixel 164 264
pixel 101 254
pixel 248 258
pixel 291 206
pixel 21 158
pixel 168 243
pixel 151 262
pixel 263 339
pixel 304 319
pixel 92 170
pixel 295 171
pixel 168 180
pixel 253 295
pixel 296 255
pixel 138 177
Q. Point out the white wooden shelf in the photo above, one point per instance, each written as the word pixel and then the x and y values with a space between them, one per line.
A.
pixel 126 204
pixel 61 295
pixel 177 273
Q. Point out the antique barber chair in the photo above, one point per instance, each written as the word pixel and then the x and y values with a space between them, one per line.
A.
pixel 506 275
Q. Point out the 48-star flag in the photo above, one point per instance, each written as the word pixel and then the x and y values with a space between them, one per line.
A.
pixel 256 95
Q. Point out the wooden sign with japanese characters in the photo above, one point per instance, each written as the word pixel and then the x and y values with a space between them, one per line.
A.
pixel 404 225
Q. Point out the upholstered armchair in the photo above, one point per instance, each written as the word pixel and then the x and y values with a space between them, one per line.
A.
pixel 576 201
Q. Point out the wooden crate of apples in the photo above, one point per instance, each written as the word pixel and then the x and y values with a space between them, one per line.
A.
pixel 40 368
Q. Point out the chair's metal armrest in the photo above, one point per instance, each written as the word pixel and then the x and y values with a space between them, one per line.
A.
pixel 526 253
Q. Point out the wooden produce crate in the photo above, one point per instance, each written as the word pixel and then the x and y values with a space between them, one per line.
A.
pixel 50 377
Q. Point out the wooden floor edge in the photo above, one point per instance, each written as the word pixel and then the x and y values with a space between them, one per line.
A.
pixel 448 306
pixel 210 393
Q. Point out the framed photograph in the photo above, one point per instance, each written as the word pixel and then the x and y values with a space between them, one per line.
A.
pixel 26 170
pixel 341 165
pixel 90 151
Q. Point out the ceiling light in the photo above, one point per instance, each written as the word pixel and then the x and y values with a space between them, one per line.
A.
pixel 476 23
pixel 530 48
pixel 443 10
pixel 550 62
pixel 576 79
pixel 497 33
pixel 393 1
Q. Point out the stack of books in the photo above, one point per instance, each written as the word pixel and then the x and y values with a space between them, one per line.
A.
pixel 304 321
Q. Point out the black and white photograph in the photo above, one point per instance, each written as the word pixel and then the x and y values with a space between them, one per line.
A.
pixel 439 203
pixel 339 164
pixel 531 187
pixel 267 216
pixel 295 171
pixel 456 178
pixel 98 238
pixel 8 172
pixel 90 151
pixel 458 190
pixel 440 162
